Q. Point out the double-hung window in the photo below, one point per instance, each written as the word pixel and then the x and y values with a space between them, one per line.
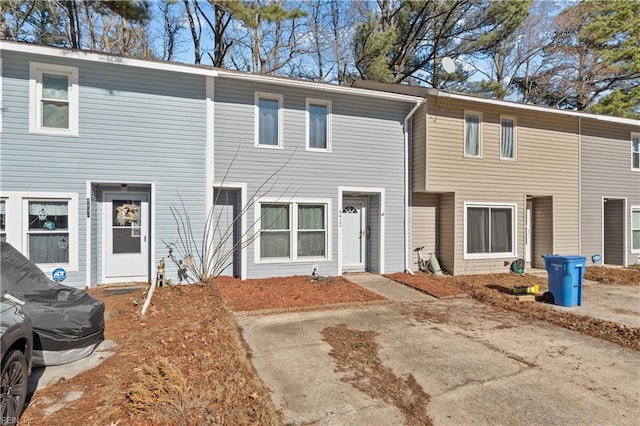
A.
pixel 312 231
pixel 293 231
pixel 635 151
pixel 508 138
pixel 472 134
pixel 275 231
pixel 489 230
pixel 635 229
pixel 318 125
pixel 48 231
pixel 268 120
pixel 53 99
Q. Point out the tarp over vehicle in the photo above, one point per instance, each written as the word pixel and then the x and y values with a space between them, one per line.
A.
pixel 67 323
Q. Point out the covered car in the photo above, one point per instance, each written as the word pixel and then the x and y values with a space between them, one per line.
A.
pixel 68 324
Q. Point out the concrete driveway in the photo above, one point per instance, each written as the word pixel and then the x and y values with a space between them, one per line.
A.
pixel 479 365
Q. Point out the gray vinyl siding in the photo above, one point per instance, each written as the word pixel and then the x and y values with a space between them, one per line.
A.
pixel 367 151
pixel 135 125
pixel 606 172
pixel 373 239
pixel 546 165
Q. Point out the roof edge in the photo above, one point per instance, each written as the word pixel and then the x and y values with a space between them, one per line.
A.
pixel 202 70
pixel 579 114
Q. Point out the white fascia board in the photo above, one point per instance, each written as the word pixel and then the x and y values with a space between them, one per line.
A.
pixel 609 118
pixel 81 55
pixel 324 87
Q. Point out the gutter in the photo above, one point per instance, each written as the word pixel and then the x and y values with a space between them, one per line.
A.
pixel 407 189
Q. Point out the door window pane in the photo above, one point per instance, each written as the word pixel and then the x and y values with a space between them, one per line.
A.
pixel 126 226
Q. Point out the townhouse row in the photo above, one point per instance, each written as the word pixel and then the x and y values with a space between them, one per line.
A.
pixel 101 156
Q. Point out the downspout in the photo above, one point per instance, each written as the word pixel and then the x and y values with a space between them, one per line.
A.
pixel 407 248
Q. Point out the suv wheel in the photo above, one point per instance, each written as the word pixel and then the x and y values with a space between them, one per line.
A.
pixel 13 388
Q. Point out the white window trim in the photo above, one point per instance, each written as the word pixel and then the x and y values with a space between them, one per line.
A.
pixel 324 102
pixel 16 206
pixel 633 209
pixel 515 137
pixel 634 135
pixel 36 69
pixel 464 139
pixel 514 239
pixel 293 227
pixel 275 97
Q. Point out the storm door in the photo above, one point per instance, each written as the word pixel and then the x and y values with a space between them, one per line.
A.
pixel 126 237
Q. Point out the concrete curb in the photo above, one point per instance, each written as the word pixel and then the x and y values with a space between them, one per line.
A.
pixel 327 306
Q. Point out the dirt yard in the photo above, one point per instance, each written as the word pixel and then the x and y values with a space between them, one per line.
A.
pixel 185 363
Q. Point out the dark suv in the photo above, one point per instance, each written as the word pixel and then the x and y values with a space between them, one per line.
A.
pixel 17 347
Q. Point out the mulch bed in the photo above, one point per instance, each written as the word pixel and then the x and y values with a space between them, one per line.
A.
pixel 292 293
pixel 436 288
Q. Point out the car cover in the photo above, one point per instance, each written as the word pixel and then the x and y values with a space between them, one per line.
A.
pixel 67 322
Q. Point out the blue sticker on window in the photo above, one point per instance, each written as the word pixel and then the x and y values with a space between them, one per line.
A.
pixel 59 274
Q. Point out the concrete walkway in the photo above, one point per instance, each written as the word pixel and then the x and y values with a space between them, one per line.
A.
pixel 617 303
pixel 480 366
pixel 388 288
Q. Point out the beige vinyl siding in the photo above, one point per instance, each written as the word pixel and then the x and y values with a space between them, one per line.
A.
pixel 546 165
pixel 446 243
pixel 424 214
pixel 542 224
pixel 418 149
pixel 613 232
pixel 606 172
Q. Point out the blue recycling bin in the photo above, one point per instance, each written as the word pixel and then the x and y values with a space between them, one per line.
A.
pixel 565 275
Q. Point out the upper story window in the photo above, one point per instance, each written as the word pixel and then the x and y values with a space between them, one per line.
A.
pixel 268 120
pixel 53 99
pixel 318 125
pixel 472 134
pixel 635 151
pixel 489 230
pixel 508 138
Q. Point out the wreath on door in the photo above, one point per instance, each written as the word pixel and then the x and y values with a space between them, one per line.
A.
pixel 126 214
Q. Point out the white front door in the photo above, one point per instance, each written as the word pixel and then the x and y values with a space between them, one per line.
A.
pixel 126 221
pixel 353 235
